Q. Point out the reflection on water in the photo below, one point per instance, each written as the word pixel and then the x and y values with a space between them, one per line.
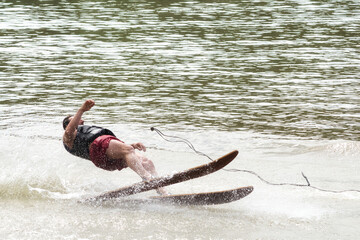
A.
pixel 288 68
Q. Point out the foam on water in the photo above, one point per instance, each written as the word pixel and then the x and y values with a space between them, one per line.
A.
pixel 40 180
pixel 38 167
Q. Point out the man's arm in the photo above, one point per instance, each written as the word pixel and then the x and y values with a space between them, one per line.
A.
pixel 139 146
pixel 70 131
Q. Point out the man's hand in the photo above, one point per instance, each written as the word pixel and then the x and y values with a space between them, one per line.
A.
pixel 139 146
pixel 87 105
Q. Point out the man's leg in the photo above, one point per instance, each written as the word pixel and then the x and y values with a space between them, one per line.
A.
pixel 139 164
pixel 119 150
pixel 150 167
pixel 147 164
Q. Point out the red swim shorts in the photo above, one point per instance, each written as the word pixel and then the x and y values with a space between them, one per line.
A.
pixel 98 154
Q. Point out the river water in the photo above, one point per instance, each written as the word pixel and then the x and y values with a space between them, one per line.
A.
pixel 277 80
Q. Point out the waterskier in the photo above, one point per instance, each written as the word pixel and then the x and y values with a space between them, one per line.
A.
pixel 101 146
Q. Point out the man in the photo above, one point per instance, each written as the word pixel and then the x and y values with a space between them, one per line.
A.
pixel 102 147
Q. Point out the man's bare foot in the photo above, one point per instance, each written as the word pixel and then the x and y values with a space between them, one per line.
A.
pixel 162 192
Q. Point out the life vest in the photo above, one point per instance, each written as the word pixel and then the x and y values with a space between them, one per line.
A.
pixel 84 137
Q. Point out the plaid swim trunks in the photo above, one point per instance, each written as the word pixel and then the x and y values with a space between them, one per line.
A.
pixel 98 154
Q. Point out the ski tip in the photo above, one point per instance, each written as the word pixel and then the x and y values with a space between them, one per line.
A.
pixel 234 153
pixel 228 157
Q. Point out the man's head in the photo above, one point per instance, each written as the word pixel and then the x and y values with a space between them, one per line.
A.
pixel 66 121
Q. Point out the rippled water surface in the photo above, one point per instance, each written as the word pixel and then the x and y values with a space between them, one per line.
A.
pixel 277 80
pixel 289 68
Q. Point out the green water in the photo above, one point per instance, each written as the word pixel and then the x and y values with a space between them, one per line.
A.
pixel 277 80
pixel 279 67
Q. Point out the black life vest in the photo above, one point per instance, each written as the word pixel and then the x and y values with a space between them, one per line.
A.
pixel 84 137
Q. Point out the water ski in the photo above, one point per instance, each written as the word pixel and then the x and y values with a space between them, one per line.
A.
pixel 209 198
pixel 191 173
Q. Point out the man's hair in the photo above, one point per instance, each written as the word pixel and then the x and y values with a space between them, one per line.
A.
pixel 66 121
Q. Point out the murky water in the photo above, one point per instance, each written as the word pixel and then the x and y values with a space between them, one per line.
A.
pixel 278 80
